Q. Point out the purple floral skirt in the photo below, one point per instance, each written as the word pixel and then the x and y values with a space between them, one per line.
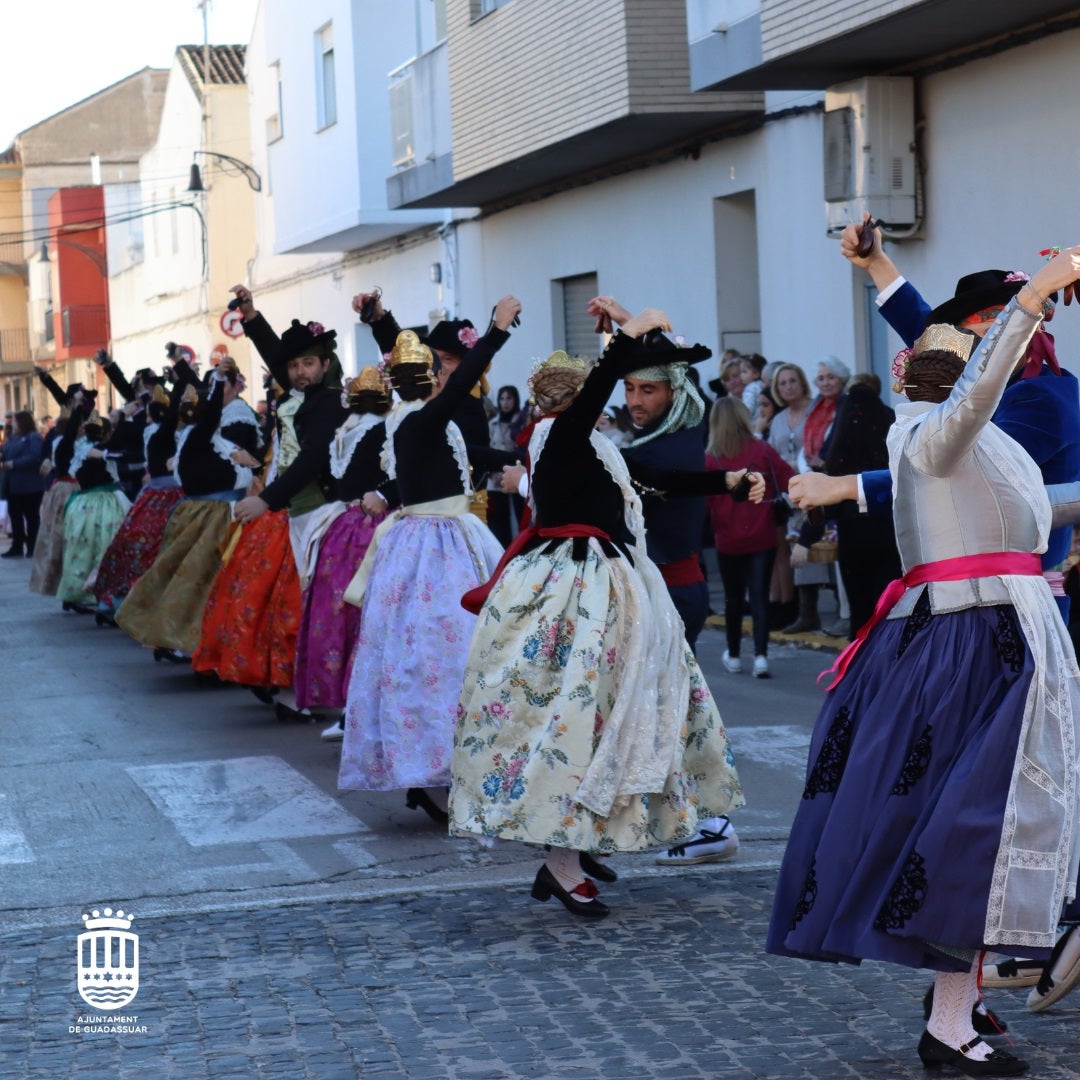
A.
pixel 411 651
pixel 329 627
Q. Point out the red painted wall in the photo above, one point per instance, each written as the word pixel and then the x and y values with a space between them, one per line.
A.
pixel 77 247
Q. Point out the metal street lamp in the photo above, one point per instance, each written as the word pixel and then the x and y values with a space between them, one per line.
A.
pixel 196 184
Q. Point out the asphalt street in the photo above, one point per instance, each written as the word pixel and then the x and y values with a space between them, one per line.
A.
pixel 290 930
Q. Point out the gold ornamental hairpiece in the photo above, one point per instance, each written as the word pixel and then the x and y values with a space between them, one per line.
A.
pixel 409 349
pixel 563 360
pixel 946 338
pixel 368 379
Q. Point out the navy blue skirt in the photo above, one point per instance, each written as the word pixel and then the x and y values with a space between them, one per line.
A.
pixel 893 846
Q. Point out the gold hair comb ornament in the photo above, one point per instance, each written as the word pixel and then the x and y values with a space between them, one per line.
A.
pixel 947 338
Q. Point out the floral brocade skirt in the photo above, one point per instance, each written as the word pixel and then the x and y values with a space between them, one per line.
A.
pixel 892 852
pixel 48 562
pixel 252 614
pixel 410 653
pixel 135 546
pixel 329 627
pixel 90 523
pixel 541 680
pixel 164 608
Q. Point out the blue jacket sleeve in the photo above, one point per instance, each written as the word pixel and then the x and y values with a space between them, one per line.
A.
pixel 877 487
pixel 905 311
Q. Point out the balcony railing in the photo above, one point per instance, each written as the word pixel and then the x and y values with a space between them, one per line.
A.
pixel 85 325
pixel 14 346
pixel 420 109
pixel 12 256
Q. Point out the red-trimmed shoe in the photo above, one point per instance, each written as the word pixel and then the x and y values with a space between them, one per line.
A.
pixel 580 900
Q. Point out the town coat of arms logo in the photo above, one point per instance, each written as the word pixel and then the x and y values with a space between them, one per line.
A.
pixel 108 960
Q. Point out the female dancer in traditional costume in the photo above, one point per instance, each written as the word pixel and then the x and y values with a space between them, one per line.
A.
pixel 138 540
pixel 164 608
pixel 93 512
pixel 414 634
pixel 48 562
pixel 328 630
pixel 584 721
pixel 940 814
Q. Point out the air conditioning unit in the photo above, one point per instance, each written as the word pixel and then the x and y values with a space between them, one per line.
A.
pixel 869 135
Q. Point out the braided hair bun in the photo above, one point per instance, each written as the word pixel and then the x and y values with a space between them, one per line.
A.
pixel 930 375
pixel 554 388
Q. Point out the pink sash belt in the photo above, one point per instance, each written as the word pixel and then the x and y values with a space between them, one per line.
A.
pixel 962 568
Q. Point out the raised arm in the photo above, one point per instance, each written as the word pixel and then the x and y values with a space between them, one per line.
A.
pixel 115 375
pixel 382 322
pixel 261 334
pixel 903 308
pixel 440 409
pixel 949 431
pixel 52 386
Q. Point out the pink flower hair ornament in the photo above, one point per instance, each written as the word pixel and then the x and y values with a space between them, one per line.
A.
pixel 468 336
pixel 899 369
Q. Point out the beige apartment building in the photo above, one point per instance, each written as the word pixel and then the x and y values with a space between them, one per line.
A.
pixel 175 252
pixel 94 142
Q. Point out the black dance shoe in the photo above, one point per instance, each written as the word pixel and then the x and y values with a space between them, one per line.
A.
pixel 12 553
pixel 596 869
pixel 547 885
pixel 934 1054
pixel 104 620
pixel 171 656
pixel 416 798
pixel 288 715
pixel 265 694
pixel 985 1023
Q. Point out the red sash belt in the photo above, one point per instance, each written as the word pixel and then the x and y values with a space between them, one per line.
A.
pixel 962 568
pixel 682 571
pixel 475 599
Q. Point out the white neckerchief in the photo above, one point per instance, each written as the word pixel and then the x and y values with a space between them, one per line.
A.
pixel 397 415
pixel 83 446
pixel 237 411
pixel 243 414
pixel 347 439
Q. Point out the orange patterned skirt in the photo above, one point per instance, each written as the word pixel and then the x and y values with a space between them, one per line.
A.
pixel 252 616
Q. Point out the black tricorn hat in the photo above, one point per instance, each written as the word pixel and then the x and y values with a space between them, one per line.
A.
pixel 445 335
pixel 655 348
pixel 306 339
pixel 974 292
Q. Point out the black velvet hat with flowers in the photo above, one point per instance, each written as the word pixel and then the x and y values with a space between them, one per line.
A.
pixel 976 292
pixel 307 339
pixel 311 339
pixel 455 336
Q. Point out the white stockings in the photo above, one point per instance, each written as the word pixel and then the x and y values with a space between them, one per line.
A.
pixel 955 995
pixel 565 865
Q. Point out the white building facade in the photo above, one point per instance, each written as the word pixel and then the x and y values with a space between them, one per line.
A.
pixel 560 149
